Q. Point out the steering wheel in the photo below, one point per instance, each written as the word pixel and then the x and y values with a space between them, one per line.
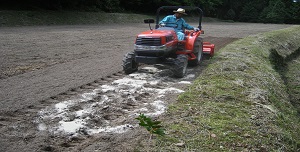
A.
pixel 162 24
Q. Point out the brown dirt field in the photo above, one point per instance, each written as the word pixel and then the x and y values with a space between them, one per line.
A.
pixel 41 66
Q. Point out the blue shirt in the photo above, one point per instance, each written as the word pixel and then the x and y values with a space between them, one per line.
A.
pixel 178 24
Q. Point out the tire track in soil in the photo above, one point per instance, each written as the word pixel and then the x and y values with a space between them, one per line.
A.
pixel 18 126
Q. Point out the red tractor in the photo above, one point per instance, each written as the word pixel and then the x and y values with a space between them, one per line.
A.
pixel 161 46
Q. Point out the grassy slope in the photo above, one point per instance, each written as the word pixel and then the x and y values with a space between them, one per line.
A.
pixel 293 80
pixel 240 102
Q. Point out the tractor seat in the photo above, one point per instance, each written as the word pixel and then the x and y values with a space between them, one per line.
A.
pixel 182 41
pixel 181 45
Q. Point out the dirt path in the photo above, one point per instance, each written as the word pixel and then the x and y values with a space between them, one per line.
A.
pixel 43 66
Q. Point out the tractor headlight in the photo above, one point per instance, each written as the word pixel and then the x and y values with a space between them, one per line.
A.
pixel 154 48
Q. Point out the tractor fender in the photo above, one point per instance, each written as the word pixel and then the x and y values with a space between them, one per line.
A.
pixel 190 40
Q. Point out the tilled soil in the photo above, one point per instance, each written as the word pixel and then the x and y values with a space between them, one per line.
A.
pixel 55 76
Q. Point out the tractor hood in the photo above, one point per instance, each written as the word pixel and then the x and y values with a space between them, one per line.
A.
pixel 157 33
pixel 164 35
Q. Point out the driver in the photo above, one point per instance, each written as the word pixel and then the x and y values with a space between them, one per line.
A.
pixel 177 22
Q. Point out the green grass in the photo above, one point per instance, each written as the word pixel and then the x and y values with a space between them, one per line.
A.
pixel 240 102
pixel 292 79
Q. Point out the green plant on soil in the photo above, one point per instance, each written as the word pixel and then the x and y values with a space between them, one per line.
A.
pixel 152 126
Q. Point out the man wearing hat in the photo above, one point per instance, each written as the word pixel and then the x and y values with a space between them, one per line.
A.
pixel 178 23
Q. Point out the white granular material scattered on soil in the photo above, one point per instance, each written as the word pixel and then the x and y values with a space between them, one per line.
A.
pixel 102 109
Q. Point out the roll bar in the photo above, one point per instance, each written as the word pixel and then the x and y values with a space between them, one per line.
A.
pixel 176 7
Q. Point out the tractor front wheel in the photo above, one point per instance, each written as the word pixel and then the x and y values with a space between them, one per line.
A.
pixel 129 64
pixel 180 65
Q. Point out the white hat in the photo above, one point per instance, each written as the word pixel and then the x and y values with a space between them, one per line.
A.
pixel 181 11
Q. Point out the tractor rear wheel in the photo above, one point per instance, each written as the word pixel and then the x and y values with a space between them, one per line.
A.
pixel 198 52
pixel 129 64
pixel 180 65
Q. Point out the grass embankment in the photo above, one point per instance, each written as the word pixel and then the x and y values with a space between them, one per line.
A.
pixel 241 101
pixel 29 18
pixel 293 80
